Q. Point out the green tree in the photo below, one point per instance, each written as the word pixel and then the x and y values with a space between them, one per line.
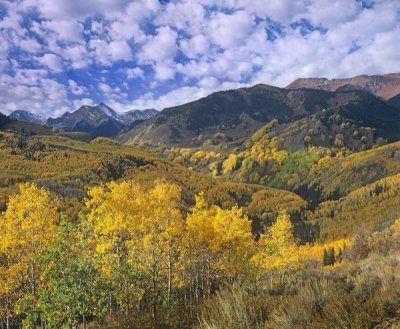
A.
pixel 74 291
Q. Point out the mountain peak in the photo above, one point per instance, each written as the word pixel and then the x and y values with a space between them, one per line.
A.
pixel 22 115
pixel 98 120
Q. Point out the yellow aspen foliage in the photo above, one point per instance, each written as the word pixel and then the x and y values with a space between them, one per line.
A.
pixel 136 229
pixel 125 215
pixel 28 226
pixel 316 251
pixel 218 242
pixel 277 250
pixel 230 163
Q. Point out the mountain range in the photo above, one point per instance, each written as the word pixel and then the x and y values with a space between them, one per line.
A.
pixel 232 116
pixel 236 114
pixel 100 120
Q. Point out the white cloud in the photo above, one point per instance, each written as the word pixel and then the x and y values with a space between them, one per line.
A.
pixel 164 71
pixel 31 90
pixel 139 10
pixel 107 53
pixel 53 62
pixel 206 45
pixel 30 45
pixel 188 16
pixel 120 50
pixel 77 56
pixel 114 93
pixel 126 30
pixel 133 73
pixel 197 46
pixel 12 22
pixel 105 88
pixel 230 30
pixel 160 47
pixel 78 9
pixel 75 88
pixel 65 30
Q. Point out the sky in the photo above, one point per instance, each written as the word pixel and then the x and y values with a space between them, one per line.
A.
pixel 56 55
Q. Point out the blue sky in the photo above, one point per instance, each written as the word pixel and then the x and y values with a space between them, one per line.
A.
pixel 56 55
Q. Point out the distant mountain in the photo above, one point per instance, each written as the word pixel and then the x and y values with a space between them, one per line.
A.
pixel 136 115
pixel 384 86
pixel 100 120
pixel 234 115
pixel 26 116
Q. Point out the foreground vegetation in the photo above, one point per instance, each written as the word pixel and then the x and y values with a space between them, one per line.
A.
pixel 136 259
pixel 132 253
pixel 99 235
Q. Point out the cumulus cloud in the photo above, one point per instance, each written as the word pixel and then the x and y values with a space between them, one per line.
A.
pixel 53 62
pixel 132 73
pixel 159 47
pixel 120 50
pixel 147 53
pixel 65 30
pixel 75 88
pixel 30 45
pixel 198 45
pixel 31 90
pixel 230 30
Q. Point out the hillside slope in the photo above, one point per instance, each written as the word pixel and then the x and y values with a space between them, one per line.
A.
pixel 69 167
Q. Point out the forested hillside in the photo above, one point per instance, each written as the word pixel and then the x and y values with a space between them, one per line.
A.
pixel 127 239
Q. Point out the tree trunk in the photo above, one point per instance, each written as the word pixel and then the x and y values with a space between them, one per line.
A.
pixel 197 287
pixel 33 278
pixel 169 275
pixel 154 297
pixel 109 305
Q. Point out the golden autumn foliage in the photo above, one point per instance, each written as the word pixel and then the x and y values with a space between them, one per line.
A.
pixel 217 243
pixel 150 240
pixel 28 226
pixel 137 229
pixel 277 250
pixel 315 251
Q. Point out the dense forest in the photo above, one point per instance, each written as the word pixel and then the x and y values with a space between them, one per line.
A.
pixel 95 234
